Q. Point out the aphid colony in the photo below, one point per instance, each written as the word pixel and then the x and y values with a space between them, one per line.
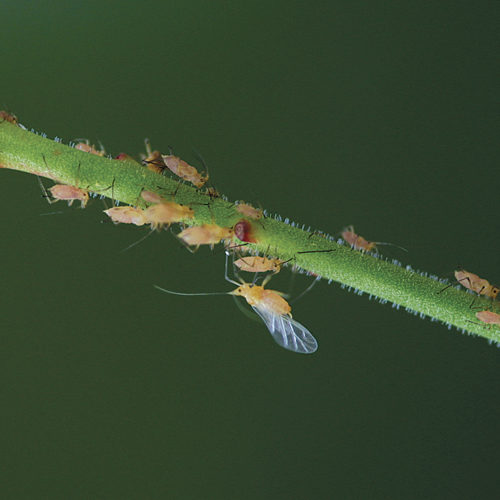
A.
pixel 269 305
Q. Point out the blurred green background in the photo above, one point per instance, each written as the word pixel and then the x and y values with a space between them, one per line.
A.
pixel 382 115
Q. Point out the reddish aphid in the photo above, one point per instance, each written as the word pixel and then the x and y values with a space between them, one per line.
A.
pixel 488 317
pixel 257 264
pixel 248 211
pixel 166 213
pixel 356 241
pixel 125 157
pixel 206 234
pixel 127 215
pixel 69 194
pixel 476 284
pixel 87 148
pixel 243 230
pixel 184 170
pixel 7 117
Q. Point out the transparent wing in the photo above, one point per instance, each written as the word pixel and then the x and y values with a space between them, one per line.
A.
pixel 287 332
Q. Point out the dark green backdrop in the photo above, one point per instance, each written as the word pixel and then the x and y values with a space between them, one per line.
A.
pixel 379 114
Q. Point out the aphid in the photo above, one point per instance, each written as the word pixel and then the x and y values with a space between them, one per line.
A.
pixel 151 197
pixel 125 157
pixel 8 117
pixel 248 211
pixel 166 213
pixel 68 193
pixel 257 264
pixel 356 241
pixel 476 284
pixel 153 160
pixel 87 148
pixel 184 170
pixel 243 230
pixel 275 311
pixel 488 317
pixel 359 243
pixel 127 215
pixel 206 234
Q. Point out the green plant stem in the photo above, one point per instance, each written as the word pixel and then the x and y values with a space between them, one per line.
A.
pixel 311 252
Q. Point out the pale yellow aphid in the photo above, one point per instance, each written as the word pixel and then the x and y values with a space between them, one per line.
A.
pixel 488 317
pixel 166 213
pixel 69 194
pixel 206 234
pixel 479 285
pixel 356 241
pixel 87 148
pixel 151 197
pixel 248 211
pixel 184 170
pixel 276 313
pixel 257 264
pixel 127 215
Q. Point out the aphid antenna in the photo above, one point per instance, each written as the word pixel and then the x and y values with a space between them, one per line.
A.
pixel 198 155
pixel 51 213
pixel 140 240
pixel 389 244
pixel 45 194
pixel 189 294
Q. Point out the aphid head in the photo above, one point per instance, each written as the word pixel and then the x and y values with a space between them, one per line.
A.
pixel 494 291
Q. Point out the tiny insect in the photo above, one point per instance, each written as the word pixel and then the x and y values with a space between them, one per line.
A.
pixel 248 211
pixel 151 197
pixel 206 234
pixel 127 215
pixel 243 230
pixel 125 157
pixel 166 213
pixel 356 241
pixel 276 313
pixel 153 160
pixel 257 264
pixel 8 117
pixel 488 317
pixel 87 148
pixel 476 284
pixel 69 194
pixel 185 171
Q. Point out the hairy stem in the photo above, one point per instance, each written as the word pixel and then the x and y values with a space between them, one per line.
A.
pixel 315 253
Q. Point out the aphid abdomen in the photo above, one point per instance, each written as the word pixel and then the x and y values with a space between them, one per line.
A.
pixel 127 215
pixel 488 317
pixel 272 301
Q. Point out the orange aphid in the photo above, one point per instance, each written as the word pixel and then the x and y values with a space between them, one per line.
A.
pixel 256 264
pixel 166 213
pixel 184 170
pixel 153 160
pixel 69 193
pixel 356 241
pixel 476 284
pixel 206 234
pixel 127 215
pixel 248 211
pixel 87 148
pixel 488 317
pixel 258 296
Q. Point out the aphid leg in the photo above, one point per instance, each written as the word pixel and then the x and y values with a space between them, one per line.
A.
pixel 226 276
pixel 44 191
pixel 309 288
